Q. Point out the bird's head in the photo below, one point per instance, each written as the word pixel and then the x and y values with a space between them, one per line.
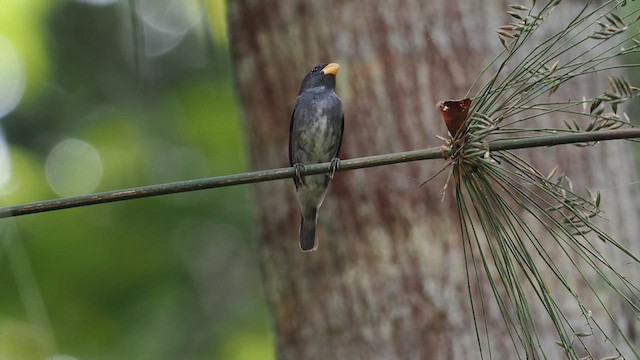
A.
pixel 321 75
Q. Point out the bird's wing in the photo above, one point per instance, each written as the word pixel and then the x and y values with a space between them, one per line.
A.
pixel 293 112
pixel 341 133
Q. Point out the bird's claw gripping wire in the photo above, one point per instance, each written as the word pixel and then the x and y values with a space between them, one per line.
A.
pixel 299 167
pixel 335 165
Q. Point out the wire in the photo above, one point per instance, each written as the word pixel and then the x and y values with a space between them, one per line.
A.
pixel 441 152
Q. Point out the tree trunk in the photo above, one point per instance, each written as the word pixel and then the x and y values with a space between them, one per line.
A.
pixel 388 280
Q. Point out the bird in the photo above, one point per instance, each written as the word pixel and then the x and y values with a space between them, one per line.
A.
pixel 315 136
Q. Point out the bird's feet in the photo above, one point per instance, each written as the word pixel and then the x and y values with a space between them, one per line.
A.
pixel 335 165
pixel 299 167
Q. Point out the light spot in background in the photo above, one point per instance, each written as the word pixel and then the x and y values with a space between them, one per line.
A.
pixel 73 167
pixel 167 22
pixel 98 2
pixel 12 77
pixel 217 11
pixel 5 161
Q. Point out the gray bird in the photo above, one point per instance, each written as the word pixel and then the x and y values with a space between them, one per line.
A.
pixel 315 135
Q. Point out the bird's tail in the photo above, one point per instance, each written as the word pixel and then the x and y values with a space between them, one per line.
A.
pixel 308 230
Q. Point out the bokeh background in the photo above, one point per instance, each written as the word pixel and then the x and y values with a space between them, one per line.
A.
pixel 96 97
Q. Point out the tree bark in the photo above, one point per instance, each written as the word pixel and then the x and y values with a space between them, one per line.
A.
pixel 388 280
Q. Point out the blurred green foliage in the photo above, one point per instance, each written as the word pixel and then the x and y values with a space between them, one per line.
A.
pixel 161 278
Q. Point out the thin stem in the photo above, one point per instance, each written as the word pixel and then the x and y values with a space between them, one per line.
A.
pixel 323 168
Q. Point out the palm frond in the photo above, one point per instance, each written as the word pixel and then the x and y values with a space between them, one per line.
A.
pixel 531 238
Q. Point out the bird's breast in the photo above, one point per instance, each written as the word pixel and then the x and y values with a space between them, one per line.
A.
pixel 319 138
pixel 318 122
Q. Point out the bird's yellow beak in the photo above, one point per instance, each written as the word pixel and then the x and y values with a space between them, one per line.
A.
pixel 331 69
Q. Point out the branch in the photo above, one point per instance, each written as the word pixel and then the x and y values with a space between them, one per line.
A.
pixel 283 173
